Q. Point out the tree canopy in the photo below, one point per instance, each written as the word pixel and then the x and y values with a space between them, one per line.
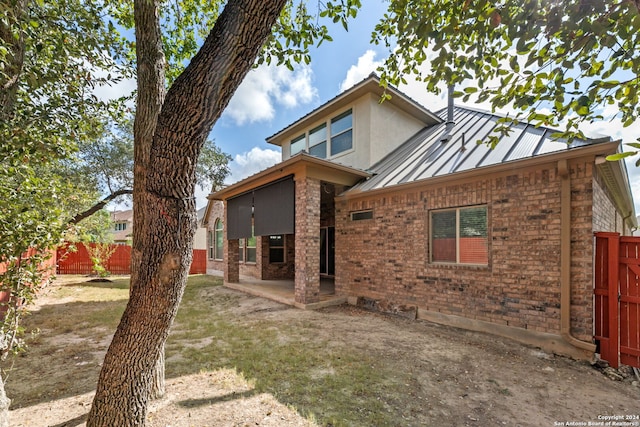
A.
pixel 555 62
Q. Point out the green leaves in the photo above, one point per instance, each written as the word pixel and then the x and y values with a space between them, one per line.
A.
pixel 300 28
pixel 571 58
pixel 620 156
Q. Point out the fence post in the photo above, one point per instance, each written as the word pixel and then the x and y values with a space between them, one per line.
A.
pixel 613 242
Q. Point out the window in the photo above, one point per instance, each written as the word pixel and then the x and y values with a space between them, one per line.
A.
pixel 251 249
pixel 298 144
pixel 276 248
pixel 210 245
pixel 341 133
pixel 321 142
pixel 218 240
pixel 247 249
pixel 460 236
pixel 121 226
pixel 359 216
pixel 318 141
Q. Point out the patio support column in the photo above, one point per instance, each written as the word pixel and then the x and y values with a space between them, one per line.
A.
pixel 231 259
pixel 307 240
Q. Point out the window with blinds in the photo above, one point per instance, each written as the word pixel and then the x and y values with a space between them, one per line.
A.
pixel 459 236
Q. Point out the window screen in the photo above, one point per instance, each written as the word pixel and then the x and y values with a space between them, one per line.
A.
pixel 460 236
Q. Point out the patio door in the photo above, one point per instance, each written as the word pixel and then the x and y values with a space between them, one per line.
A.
pixel 327 251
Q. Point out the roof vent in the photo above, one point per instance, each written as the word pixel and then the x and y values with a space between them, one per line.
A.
pixel 450 122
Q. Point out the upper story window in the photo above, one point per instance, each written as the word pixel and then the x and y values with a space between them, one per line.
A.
pixel 121 226
pixel 318 141
pixel 341 133
pixel 327 140
pixel 299 144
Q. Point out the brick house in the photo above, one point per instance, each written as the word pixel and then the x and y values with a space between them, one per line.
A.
pixel 406 213
pixel 122 226
pixel 122 230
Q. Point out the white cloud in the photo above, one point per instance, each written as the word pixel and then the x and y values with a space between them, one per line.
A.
pixel 124 87
pixel 251 162
pixel 267 86
pixel 365 66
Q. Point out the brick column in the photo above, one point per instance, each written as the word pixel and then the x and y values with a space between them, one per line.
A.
pixel 231 256
pixel 307 241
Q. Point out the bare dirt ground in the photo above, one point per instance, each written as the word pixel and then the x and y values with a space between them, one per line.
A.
pixel 454 378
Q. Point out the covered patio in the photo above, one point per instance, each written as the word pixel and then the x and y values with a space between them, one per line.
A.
pixel 289 210
pixel 283 291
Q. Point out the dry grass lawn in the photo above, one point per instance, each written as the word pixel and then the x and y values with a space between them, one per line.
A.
pixel 239 360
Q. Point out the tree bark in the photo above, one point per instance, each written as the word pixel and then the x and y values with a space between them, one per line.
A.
pixel 4 405
pixel 10 76
pixel 164 198
pixel 151 64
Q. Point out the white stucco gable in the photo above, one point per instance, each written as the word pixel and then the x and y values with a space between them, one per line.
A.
pixel 376 128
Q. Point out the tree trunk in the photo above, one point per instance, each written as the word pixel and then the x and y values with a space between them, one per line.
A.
pixel 4 405
pixel 164 200
pixel 151 92
pixel 10 76
pixel 158 384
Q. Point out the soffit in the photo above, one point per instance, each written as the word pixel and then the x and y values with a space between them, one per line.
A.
pixel 301 165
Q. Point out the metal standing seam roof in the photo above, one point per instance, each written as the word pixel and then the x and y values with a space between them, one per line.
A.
pixel 426 155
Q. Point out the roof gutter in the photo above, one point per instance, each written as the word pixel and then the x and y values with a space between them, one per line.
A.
pixel 616 179
pixel 485 171
pixel 565 262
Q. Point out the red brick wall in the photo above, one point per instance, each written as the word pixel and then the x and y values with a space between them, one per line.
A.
pixel 387 257
pixel 279 271
pixel 215 212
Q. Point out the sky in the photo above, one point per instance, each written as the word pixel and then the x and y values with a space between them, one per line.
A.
pixel 270 98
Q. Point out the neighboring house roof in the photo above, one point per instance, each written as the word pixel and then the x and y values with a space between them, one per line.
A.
pixel 200 215
pixel 121 236
pixel 120 216
pixel 435 151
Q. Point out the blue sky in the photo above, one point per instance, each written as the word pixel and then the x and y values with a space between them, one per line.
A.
pixel 271 98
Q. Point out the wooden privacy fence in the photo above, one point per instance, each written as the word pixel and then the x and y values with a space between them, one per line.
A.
pixel 617 298
pixel 79 261
pixel 46 266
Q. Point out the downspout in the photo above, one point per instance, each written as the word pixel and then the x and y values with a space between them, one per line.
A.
pixel 565 261
pixel 624 221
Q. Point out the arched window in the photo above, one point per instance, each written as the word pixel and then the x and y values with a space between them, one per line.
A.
pixel 219 236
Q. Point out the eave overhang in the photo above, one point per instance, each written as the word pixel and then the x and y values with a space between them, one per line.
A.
pixel 590 151
pixel 300 166
pixel 616 179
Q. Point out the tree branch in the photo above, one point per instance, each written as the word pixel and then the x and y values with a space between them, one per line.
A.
pixel 101 204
